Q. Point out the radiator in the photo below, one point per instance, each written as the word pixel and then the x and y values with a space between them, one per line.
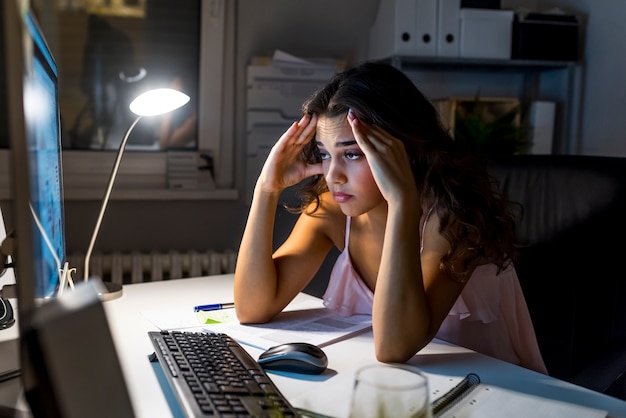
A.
pixel 137 267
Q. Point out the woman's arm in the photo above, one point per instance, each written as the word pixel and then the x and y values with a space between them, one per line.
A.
pixel 412 295
pixel 265 284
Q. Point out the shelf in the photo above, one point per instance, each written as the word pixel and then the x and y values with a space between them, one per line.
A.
pixel 141 176
pixel 478 64
pixel 536 80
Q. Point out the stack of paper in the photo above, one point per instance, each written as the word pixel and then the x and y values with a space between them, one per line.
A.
pixel 189 170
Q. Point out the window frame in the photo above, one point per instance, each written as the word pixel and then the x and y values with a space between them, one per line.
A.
pixel 143 175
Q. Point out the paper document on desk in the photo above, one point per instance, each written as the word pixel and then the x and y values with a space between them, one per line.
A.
pixel 303 321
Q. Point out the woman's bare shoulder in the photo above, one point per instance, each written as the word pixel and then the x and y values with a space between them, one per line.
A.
pixel 432 238
pixel 328 217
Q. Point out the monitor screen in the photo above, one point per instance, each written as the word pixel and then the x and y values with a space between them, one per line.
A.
pixel 32 125
pixel 35 144
pixel 43 141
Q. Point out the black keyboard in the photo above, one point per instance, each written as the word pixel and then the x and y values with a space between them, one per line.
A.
pixel 213 376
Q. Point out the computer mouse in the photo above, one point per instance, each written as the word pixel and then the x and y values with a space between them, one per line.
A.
pixel 294 357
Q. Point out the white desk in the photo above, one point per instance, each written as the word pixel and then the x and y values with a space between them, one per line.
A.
pixel 328 393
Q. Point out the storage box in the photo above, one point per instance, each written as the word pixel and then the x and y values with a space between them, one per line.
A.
pixel 544 36
pixel 486 33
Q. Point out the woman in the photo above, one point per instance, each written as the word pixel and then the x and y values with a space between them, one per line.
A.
pixel 425 239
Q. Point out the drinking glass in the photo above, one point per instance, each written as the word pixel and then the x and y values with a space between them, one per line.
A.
pixel 390 391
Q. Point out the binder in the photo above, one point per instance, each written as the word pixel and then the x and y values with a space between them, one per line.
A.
pixel 426 27
pixel 404 27
pixel 393 31
pixel 448 28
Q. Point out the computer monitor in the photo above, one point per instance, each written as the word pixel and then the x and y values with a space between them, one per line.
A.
pixel 60 378
pixel 33 129
pixel 31 82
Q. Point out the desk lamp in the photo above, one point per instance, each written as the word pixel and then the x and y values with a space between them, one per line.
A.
pixel 151 103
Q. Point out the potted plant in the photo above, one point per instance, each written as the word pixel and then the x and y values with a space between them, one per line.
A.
pixel 489 126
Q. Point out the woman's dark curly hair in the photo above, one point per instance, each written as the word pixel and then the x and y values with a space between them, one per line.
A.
pixel 474 217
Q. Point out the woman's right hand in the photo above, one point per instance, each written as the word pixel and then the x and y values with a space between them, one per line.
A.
pixel 284 165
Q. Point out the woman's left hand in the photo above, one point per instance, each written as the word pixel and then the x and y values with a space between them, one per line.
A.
pixel 387 159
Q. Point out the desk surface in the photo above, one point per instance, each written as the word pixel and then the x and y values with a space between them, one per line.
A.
pixel 328 393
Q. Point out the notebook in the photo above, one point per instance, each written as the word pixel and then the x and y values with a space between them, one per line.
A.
pixel 472 398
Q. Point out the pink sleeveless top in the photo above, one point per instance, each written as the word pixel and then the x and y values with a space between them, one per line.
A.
pixel 490 316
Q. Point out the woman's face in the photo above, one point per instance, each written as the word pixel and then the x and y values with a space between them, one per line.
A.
pixel 346 170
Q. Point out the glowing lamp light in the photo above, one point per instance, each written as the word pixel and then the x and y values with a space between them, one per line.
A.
pixel 157 102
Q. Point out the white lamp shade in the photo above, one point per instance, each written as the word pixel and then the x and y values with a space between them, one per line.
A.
pixel 158 101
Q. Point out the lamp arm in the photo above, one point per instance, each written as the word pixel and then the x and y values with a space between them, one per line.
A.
pixel 105 201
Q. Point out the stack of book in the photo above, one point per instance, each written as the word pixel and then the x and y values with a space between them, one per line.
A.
pixel 189 170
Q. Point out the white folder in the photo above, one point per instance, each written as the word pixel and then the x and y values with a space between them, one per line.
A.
pixel 449 28
pixel 426 27
pixel 393 31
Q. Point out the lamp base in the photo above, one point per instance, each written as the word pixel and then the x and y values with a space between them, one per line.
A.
pixel 110 291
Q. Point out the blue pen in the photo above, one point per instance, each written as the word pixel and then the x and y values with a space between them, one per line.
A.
pixel 213 307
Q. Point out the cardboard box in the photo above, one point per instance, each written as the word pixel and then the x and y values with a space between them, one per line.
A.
pixel 486 33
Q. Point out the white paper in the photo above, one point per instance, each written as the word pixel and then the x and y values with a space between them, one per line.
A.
pixel 301 322
pixel 283 59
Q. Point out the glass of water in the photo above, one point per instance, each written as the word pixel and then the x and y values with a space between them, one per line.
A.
pixel 390 391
